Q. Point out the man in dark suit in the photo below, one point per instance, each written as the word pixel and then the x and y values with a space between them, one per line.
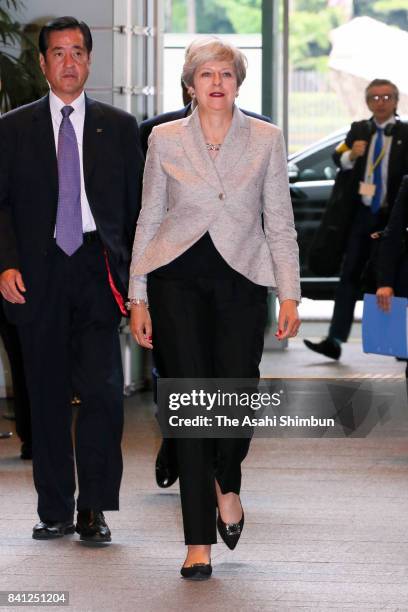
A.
pixel 166 470
pixel 70 177
pixel 375 154
pixel 392 261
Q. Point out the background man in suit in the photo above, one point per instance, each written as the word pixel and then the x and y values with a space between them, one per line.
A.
pixel 375 153
pixel 166 471
pixel 70 175
pixel 392 265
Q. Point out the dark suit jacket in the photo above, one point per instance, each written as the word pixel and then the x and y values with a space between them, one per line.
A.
pixel 398 159
pixel 113 166
pixel 392 270
pixel 147 125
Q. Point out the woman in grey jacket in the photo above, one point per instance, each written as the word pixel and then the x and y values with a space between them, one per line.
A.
pixel 202 262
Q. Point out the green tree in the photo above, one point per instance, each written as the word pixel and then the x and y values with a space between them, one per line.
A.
pixel 20 76
pixel 177 20
pixel 309 42
pixel 219 16
pixel 391 12
pixel 310 6
pixel 245 16
pixel 310 24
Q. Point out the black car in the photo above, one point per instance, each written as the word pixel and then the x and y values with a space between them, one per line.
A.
pixel 311 174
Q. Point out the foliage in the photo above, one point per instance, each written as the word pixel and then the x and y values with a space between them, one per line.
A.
pixel 391 12
pixel 245 16
pixel 310 22
pixel 311 6
pixel 21 78
pixel 219 16
pixel 309 42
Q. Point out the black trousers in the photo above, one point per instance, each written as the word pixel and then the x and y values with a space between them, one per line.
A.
pixel 207 328
pixel 11 341
pixel 356 257
pixel 74 343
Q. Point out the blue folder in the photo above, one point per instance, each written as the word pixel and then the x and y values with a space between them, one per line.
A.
pixel 385 333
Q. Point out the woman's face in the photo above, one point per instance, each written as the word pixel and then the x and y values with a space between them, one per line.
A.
pixel 215 85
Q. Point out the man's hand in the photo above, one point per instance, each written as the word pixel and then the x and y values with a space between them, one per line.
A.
pixel 358 149
pixel 384 295
pixel 288 320
pixel 141 325
pixel 12 286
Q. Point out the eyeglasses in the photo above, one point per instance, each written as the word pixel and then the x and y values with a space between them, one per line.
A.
pixel 383 98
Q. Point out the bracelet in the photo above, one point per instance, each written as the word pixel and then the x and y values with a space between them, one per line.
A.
pixel 136 302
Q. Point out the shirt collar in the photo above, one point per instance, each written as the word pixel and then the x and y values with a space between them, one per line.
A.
pixel 389 121
pixel 56 104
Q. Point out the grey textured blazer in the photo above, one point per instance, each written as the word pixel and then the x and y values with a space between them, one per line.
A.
pixel 186 193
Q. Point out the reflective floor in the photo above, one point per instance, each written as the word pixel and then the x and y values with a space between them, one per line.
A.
pixel 326 519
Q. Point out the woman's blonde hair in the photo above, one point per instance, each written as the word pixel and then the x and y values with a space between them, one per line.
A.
pixel 208 49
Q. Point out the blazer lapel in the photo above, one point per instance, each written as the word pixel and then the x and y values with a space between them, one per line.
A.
pixel 234 145
pixel 232 150
pixel 93 134
pixel 43 135
pixel 193 143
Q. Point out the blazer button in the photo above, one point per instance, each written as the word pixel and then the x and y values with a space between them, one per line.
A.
pixel 221 196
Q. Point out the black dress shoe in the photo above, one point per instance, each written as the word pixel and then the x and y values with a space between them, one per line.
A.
pixel 197 571
pixel 326 347
pixel 26 451
pixel 166 470
pixel 49 530
pixel 92 527
pixel 230 532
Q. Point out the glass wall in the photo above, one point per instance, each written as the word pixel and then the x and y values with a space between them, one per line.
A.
pixel 336 47
pixel 237 21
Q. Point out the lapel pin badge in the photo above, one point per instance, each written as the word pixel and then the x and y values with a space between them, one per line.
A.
pixel 399 142
pixel 99 130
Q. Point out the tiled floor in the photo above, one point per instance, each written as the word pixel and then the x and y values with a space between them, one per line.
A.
pixel 326 520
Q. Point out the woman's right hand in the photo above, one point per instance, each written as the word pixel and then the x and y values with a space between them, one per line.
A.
pixel 384 295
pixel 141 325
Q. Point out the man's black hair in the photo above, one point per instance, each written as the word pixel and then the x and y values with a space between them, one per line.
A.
pixel 64 23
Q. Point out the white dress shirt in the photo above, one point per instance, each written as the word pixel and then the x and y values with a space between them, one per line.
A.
pixel 348 164
pixel 77 119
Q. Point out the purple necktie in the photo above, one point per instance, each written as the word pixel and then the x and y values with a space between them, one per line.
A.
pixel 69 216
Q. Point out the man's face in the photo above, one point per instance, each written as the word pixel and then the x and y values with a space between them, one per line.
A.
pixel 382 102
pixel 66 64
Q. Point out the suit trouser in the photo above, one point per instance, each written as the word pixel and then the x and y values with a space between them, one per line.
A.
pixel 206 328
pixel 355 259
pixel 11 341
pixel 74 343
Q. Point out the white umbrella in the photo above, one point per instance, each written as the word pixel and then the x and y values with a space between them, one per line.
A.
pixel 365 49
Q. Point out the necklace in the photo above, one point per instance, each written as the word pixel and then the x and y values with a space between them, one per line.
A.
pixel 212 147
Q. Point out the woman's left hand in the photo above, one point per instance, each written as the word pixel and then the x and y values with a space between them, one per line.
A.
pixel 288 320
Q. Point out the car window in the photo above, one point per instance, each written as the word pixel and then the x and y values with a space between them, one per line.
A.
pixel 317 166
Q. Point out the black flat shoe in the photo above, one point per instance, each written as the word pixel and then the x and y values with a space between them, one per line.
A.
pixel 49 530
pixel 166 470
pixel 230 532
pixel 92 527
pixel 197 571
pixel 326 347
